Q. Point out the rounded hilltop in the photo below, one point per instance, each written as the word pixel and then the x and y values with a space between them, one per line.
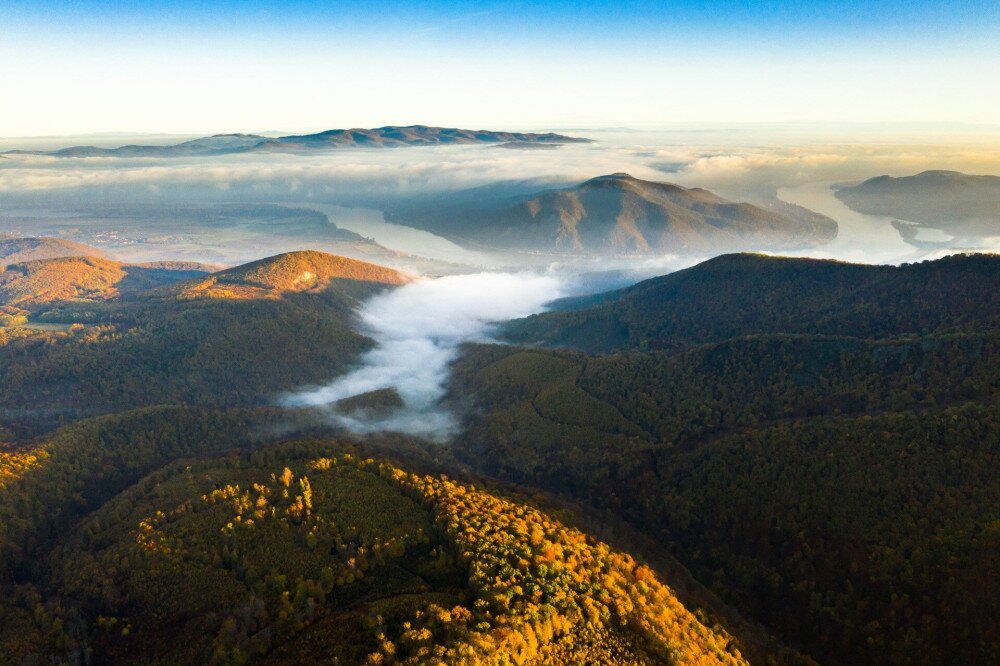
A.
pixel 39 283
pixel 299 271
pixel 15 250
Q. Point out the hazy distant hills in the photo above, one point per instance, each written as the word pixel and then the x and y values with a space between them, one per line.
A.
pixel 15 250
pixel 619 214
pixel 962 205
pixel 380 137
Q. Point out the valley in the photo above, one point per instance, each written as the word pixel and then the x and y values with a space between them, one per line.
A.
pixel 452 404
pixel 448 333
pixel 154 436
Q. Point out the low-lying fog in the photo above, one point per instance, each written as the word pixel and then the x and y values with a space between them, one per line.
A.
pixel 418 329
pixel 157 208
pixel 232 209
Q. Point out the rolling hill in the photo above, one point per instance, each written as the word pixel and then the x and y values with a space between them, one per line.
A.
pixel 124 338
pixel 40 283
pixel 748 294
pixel 380 137
pixel 309 552
pixel 621 215
pixel 16 250
pixel 292 272
pixel 962 205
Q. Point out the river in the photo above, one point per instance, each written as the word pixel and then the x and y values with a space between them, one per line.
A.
pixel 861 238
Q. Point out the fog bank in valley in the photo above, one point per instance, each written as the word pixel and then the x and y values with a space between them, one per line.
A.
pixel 146 208
pixel 418 329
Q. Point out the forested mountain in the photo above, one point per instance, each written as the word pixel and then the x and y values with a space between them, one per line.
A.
pixel 619 214
pixel 747 294
pixel 199 341
pixel 380 137
pixel 815 441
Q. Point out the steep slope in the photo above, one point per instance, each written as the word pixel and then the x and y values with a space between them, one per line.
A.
pixel 962 205
pixel 380 137
pixel 292 272
pixel 619 214
pixel 20 250
pixel 303 552
pixel 747 294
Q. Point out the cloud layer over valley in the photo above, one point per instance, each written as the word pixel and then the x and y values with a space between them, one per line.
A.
pixel 418 329
pixel 72 197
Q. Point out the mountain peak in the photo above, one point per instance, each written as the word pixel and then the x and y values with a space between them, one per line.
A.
pixel 620 214
pixel 619 176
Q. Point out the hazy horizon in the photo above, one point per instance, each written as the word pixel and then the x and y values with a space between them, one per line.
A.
pixel 185 68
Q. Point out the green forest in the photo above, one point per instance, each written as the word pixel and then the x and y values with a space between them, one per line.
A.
pixel 830 474
pixel 756 460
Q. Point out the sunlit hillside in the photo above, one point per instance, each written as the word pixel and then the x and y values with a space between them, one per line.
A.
pixel 303 552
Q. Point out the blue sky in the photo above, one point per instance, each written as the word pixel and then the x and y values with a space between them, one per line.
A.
pixel 192 67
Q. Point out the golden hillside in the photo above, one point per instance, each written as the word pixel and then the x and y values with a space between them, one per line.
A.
pixel 303 271
pixel 19 250
pixel 31 284
pixel 305 554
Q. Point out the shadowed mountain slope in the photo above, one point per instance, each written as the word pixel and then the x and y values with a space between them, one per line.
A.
pixel 813 439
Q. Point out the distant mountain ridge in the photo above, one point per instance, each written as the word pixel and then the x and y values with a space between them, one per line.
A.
pixel 619 214
pixel 390 136
pixel 963 205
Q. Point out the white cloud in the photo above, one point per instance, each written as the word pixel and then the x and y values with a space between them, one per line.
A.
pixel 418 329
